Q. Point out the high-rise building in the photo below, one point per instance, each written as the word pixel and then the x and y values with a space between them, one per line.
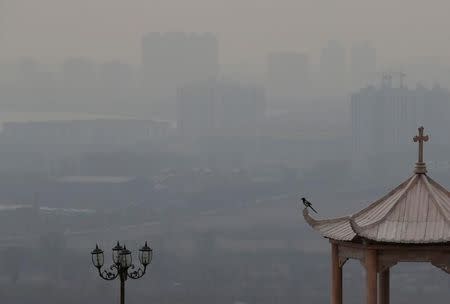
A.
pixel 172 60
pixel 434 110
pixel 219 108
pixel 79 73
pixel 117 87
pixel 288 78
pixel 363 64
pixel 384 117
pixel 333 69
pixel 115 75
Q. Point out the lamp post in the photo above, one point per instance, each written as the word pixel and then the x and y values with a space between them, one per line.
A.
pixel 122 266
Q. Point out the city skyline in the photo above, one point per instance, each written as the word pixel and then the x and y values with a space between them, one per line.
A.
pixel 258 27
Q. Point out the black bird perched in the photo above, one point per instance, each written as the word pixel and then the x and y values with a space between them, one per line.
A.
pixel 308 204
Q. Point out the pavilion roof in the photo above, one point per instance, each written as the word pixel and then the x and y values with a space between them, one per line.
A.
pixel 417 211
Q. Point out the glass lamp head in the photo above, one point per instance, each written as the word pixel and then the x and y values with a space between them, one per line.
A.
pixel 125 257
pixel 97 257
pixel 116 253
pixel 145 255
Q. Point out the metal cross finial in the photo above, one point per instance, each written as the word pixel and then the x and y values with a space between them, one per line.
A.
pixel 421 138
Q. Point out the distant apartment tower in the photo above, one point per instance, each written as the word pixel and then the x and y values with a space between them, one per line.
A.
pixel 434 111
pixel 363 64
pixel 219 108
pixel 171 60
pixel 79 73
pixel 333 69
pixel 384 118
pixel 288 78
pixel 115 76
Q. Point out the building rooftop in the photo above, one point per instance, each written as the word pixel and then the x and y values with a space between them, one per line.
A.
pixel 417 211
pixel 96 179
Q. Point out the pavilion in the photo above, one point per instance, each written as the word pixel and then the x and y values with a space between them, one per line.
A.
pixel 409 224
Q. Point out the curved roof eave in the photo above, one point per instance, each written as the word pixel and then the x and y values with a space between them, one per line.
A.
pixel 336 229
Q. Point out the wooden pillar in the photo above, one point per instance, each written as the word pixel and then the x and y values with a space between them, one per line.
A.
pixel 336 276
pixel 384 287
pixel 371 276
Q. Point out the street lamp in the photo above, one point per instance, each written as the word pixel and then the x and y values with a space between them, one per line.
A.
pixel 122 267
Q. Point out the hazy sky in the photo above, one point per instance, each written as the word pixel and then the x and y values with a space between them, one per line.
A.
pixel 248 29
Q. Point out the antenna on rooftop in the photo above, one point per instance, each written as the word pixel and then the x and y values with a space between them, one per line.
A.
pixel 387 78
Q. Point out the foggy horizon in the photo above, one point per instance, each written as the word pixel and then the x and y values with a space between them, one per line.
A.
pixel 52 30
pixel 197 127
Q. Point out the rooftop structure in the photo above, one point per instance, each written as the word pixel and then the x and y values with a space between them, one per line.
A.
pixel 409 224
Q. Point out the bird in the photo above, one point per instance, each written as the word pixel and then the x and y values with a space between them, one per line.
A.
pixel 308 204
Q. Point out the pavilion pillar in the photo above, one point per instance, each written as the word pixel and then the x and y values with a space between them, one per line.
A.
pixel 371 276
pixel 336 276
pixel 384 286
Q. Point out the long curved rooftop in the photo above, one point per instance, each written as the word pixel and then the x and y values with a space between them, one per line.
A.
pixel 417 211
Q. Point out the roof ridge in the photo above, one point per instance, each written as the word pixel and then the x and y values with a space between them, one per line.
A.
pixel 356 228
pixel 434 199
pixel 411 182
pixel 437 185
pixel 371 206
